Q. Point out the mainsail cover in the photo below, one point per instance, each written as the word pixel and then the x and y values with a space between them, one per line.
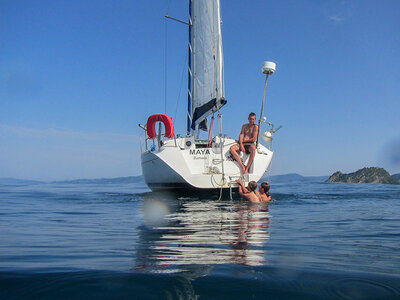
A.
pixel 208 86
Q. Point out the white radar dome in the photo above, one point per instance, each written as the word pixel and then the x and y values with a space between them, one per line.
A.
pixel 268 67
pixel 267 136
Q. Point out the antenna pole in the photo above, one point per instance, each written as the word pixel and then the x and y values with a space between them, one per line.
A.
pixel 262 109
pixel 189 111
pixel 268 68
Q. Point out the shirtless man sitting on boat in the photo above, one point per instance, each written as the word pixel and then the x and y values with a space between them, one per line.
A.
pixel 247 137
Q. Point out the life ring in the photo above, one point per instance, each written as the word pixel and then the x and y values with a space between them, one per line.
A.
pixel 151 125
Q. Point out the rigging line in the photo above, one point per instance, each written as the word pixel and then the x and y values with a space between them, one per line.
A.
pixel 210 132
pixel 180 87
pixel 221 143
pixel 269 172
pixel 165 66
pixel 168 5
pixel 166 58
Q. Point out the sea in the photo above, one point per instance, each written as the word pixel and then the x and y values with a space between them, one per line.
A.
pixel 118 240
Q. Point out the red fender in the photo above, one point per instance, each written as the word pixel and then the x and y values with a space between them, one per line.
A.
pixel 151 125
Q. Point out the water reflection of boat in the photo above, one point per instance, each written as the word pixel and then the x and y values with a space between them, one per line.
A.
pixel 197 234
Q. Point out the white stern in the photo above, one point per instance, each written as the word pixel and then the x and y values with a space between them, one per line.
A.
pixel 186 163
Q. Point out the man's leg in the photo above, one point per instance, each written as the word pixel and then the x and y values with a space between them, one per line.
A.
pixel 235 153
pixel 252 150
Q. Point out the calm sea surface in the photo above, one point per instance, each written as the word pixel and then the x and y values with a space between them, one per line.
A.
pixel 315 240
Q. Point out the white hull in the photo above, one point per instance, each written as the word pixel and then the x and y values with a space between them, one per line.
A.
pixel 182 163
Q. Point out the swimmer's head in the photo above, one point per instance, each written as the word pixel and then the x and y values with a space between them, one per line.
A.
pixel 264 187
pixel 252 186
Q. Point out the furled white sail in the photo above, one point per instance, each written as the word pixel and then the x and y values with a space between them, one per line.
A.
pixel 207 67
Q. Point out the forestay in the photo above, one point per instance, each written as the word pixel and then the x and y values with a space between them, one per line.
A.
pixel 208 85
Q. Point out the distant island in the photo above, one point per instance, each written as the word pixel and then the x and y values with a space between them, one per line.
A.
pixel 365 175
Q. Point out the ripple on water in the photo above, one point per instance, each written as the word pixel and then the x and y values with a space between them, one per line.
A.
pixel 362 288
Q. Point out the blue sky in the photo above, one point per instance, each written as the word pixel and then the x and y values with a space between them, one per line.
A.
pixel 76 77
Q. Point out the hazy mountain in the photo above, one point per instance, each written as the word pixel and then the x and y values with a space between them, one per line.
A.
pixel 396 177
pixel 129 179
pixel 139 178
pixel 14 181
pixel 295 177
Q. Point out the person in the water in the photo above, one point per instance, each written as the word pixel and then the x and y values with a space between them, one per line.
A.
pixel 264 192
pixel 250 192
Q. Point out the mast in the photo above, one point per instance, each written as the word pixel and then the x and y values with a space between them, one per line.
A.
pixel 207 91
pixel 189 112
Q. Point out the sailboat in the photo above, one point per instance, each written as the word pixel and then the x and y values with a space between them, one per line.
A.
pixel 172 162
